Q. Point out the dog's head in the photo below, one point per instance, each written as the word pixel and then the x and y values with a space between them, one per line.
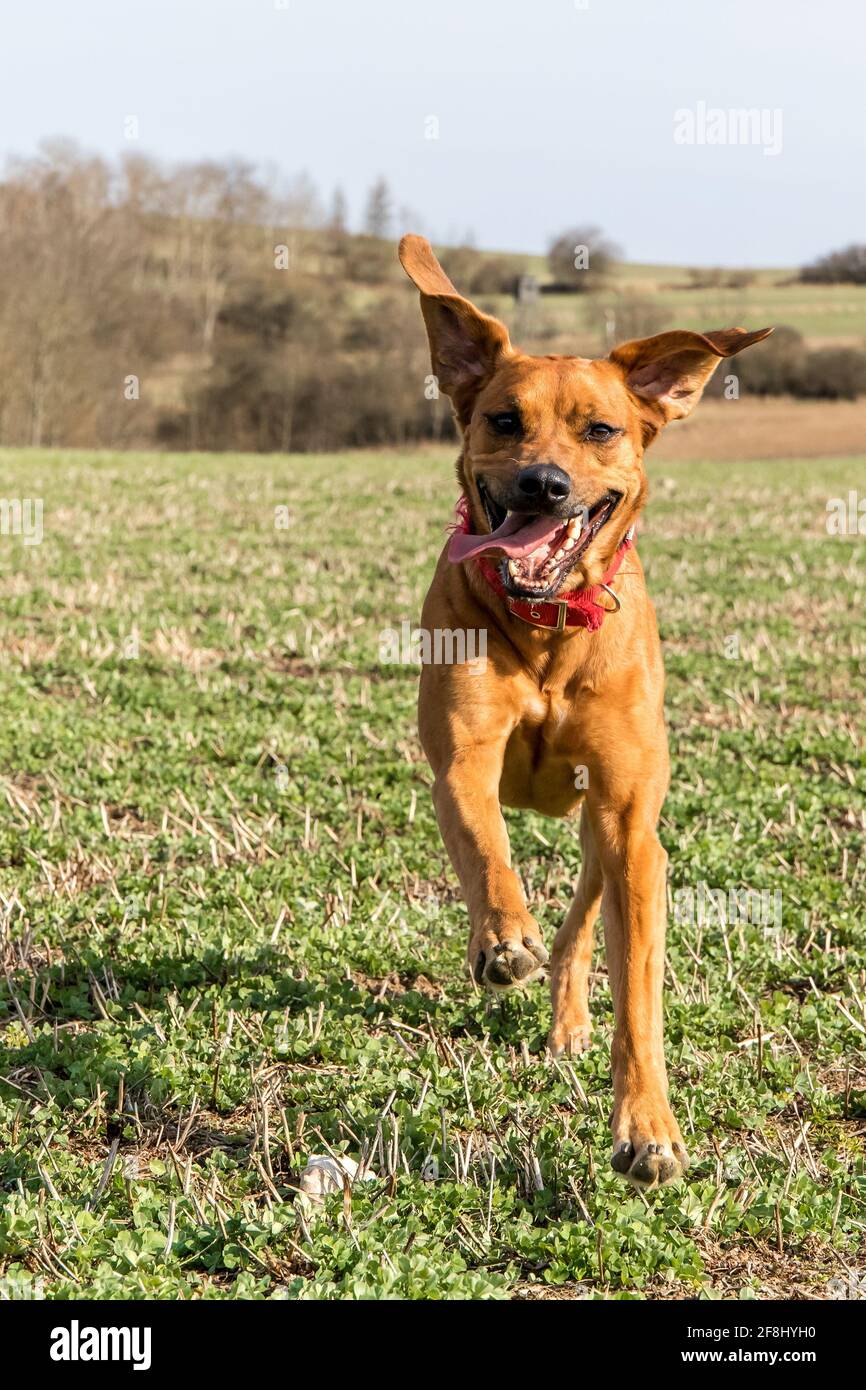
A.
pixel 552 459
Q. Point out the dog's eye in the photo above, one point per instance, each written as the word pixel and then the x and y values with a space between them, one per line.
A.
pixel 599 432
pixel 504 422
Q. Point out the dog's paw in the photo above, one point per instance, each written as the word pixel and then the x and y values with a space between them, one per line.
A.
pixel 650 1153
pixel 569 1041
pixel 509 962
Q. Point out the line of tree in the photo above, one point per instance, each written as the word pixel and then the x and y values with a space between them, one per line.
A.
pixel 210 305
pixel 787 366
pixel 845 267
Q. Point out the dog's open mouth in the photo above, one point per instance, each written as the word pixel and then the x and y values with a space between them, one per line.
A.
pixel 538 550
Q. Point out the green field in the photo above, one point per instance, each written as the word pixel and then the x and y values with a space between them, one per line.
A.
pixel 821 313
pixel 231 938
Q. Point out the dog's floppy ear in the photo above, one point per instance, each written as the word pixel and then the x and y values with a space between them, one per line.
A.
pixel 466 346
pixel 671 370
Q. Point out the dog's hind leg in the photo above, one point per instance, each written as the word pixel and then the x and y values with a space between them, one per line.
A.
pixel 572 954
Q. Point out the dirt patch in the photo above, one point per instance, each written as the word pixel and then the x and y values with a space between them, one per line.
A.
pixel 768 428
pixel 394 986
pixel 808 1272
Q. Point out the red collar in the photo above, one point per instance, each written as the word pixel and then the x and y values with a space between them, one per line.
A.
pixel 579 608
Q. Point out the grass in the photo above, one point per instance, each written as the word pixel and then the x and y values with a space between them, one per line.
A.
pixel 822 313
pixel 231 938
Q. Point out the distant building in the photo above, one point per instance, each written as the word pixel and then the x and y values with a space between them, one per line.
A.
pixel 527 289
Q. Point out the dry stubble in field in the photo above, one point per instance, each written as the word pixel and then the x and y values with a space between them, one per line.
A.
pixel 231 938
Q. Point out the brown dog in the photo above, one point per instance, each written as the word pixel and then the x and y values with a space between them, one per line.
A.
pixel 567 710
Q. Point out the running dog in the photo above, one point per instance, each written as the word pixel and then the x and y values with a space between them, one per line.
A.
pixel 566 714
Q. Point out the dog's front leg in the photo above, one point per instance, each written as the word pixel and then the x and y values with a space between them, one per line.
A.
pixel 505 946
pixel 647 1143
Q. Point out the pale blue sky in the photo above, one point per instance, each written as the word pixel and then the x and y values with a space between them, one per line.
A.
pixel 549 114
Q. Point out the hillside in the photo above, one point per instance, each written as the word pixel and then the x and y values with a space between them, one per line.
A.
pixel 194 308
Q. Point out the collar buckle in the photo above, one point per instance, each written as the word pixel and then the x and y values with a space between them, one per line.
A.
pixel 535 618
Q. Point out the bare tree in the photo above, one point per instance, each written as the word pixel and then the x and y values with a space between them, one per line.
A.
pixel 581 258
pixel 66 336
pixel 377 216
pixel 338 222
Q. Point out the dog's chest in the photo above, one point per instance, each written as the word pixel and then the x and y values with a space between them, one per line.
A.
pixel 545 753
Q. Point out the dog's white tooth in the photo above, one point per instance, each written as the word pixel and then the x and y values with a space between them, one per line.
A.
pixel 512 568
pixel 558 554
pixel 570 543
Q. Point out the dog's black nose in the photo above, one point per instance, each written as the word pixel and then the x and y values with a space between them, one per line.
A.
pixel 543 483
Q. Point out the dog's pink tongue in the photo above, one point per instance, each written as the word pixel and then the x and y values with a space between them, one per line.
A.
pixel 515 538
